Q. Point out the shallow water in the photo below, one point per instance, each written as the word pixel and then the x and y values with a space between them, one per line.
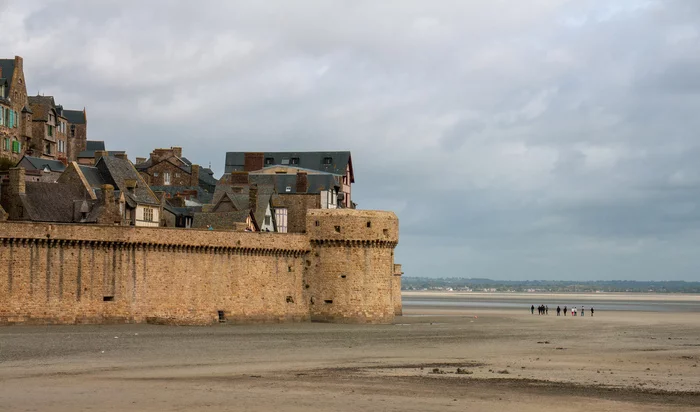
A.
pixel 599 305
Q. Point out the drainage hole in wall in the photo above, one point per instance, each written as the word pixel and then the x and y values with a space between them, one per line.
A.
pixel 337 229
pixel 222 317
pixel 108 298
pixel 328 301
pixel 290 299
pixel 343 276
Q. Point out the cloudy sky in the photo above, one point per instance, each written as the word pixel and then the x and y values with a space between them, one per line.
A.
pixel 534 139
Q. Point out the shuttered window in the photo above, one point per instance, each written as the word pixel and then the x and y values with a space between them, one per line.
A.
pixel 15 122
pixel 16 146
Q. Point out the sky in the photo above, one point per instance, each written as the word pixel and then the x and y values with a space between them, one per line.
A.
pixel 536 139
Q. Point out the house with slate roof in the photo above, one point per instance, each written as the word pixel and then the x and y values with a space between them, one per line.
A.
pixel 167 167
pixel 338 164
pixel 87 155
pixel 69 201
pixel 15 114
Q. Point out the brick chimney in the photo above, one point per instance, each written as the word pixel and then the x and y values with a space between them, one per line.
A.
pixel 177 151
pixel 194 178
pixel 239 178
pixel 253 197
pixel 17 180
pixel 19 66
pixel 99 154
pixel 302 182
pixel 130 185
pixel 122 156
pixel 253 161
pixel 140 160
pixel 107 195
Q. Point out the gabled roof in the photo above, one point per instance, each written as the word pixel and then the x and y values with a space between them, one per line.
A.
pixel 116 171
pixel 93 176
pixel 37 163
pixel 7 67
pixel 75 116
pixel 93 146
pixel 41 106
pixel 339 161
pixel 225 220
pixel 52 202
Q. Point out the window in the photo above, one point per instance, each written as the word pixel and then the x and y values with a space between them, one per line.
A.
pixel 6 144
pixel 148 214
pixel 15 121
pixel 50 130
pixel 327 160
pixel 281 217
pixel 295 161
pixel 155 174
pixel 268 220
pixel 166 178
pixel 269 161
pixel 72 130
pixel 2 112
pixel 285 160
pixel 177 174
pixel 61 146
pixel 288 189
pixel 47 148
pixel 16 146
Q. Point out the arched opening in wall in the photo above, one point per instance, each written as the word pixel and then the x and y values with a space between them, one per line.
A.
pixel 343 276
pixel 369 224
pixel 386 232
pixel 222 316
pixel 318 223
pixel 337 229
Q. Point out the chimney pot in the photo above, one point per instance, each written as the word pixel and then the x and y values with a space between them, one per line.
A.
pixel 17 180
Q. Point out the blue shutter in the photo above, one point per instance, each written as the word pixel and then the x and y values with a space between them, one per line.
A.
pixel 12 118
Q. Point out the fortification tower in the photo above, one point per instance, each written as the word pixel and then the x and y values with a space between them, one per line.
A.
pixel 349 272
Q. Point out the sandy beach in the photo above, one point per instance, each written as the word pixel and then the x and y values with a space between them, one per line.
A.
pixel 507 360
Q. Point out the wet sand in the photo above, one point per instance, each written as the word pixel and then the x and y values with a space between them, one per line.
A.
pixel 510 361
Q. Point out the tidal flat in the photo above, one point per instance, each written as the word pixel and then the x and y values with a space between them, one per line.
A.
pixel 434 358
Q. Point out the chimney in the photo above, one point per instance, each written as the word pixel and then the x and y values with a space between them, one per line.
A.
pixel 302 182
pixel 253 161
pixel 177 151
pixel 99 154
pixel 107 195
pixel 17 180
pixel 253 197
pixel 239 178
pixel 194 178
pixel 130 185
pixel 122 156
pixel 140 160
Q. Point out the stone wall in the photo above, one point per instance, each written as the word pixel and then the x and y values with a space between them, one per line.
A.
pixel 351 265
pixel 342 270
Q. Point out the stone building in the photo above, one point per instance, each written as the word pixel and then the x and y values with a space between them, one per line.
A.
pixel 167 167
pixel 36 125
pixel 15 114
pixel 87 155
pixel 338 164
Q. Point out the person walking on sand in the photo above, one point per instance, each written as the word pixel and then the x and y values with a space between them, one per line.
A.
pixel 546 310
pixel 591 311
pixel 573 311
pixel 564 310
pixel 582 311
pixel 532 309
pixel 558 310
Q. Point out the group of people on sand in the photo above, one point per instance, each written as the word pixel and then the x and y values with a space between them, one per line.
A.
pixel 544 310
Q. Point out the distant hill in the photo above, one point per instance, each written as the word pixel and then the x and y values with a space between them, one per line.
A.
pixel 490 285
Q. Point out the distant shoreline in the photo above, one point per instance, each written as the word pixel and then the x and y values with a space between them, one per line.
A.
pixel 611 296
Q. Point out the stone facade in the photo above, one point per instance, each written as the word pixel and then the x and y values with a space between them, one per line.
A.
pixel 15 127
pixel 340 271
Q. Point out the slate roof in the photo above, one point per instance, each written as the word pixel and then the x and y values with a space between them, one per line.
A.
pixel 116 171
pixel 202 195
pixel 235 161
pixel 206 177
pixel 93 176
pixel 241 201
pixel 7 67
pixel 41 106
pixel 93 146
pixel 75 116
pixel 37 163
pixel 52 202
pixel 280 182
pixel 219 221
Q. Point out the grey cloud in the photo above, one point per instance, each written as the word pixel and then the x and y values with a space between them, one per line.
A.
pixel 546 139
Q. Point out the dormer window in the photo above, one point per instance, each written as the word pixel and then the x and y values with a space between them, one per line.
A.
pixel 269 161
pixel 294 161
pixel 327 160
